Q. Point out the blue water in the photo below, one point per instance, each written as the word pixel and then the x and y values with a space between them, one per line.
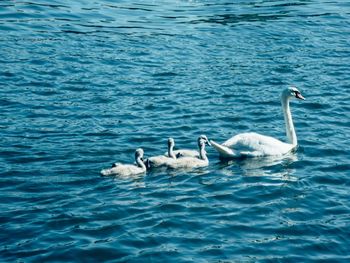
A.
pixel 84 83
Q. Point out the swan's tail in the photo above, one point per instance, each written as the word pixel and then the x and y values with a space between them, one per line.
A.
pixel 223 150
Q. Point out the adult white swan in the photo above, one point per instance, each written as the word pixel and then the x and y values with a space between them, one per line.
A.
pixel 192 162
pixel 254 144
pixel 127 169
pixel 162 160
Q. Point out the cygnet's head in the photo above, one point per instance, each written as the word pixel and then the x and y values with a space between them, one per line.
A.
pixel 139 153
pixel 292 92
pixel 171 142
pixel 203 140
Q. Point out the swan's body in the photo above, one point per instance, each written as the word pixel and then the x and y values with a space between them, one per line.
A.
pixel 162 160
pixel 188 162
pixel 188 152
pixel 119 169
pixel 254 144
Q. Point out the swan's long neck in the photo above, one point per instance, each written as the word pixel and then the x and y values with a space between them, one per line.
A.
pixel 202 152
pixel 290 131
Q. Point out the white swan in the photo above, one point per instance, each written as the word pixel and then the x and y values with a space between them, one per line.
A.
pixel 127 169
pixel 253 144
pixel 187 152
pixel 192 162
pixel 161 160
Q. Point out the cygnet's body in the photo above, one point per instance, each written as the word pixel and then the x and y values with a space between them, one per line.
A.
pixel 188 152
pixel 162 160
pixel 192 162
pixel 119 169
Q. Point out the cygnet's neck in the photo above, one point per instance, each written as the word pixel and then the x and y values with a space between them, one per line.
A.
pixel 290 131
pixel 140 163
pixel 171 153
pixel 202 152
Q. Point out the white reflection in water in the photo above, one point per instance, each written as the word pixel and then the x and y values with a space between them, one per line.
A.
pixel 278 167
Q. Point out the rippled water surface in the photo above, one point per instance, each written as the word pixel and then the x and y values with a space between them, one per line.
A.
pixel 84 83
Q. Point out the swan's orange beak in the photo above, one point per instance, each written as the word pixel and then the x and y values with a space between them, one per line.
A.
pixel 299 96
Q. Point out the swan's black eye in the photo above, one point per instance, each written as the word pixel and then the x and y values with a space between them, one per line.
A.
pixel 296 93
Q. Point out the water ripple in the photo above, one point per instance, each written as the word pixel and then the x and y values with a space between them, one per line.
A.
pixel 84 84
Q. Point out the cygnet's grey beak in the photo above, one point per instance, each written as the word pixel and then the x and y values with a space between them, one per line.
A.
pixel 208 142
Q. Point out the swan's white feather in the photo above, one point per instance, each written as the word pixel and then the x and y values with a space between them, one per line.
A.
pixel 253 145
pixel 223 150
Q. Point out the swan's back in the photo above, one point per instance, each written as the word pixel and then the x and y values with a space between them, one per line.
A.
pixel 253 144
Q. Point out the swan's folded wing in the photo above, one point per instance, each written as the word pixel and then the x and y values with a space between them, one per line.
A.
pixel 254 145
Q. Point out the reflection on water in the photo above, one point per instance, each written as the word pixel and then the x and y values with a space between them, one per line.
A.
pixel 279 167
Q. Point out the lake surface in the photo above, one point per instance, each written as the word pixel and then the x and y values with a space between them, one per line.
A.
pixel 85 83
